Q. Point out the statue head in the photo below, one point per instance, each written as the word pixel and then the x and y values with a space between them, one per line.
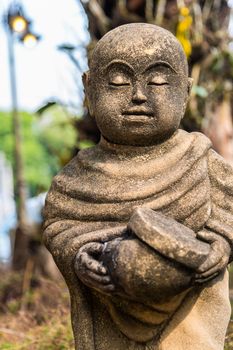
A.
pixel 137 86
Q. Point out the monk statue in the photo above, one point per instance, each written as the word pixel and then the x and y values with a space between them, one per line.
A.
pixel 141 225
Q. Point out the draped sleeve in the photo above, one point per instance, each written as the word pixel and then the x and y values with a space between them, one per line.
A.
pixel 64 230
pixel 221 180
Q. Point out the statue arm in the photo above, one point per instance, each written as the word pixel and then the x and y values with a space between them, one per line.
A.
pixel 63 237
pixel 218 230
pixel 66 230
pixel 221 179
pixel 76 247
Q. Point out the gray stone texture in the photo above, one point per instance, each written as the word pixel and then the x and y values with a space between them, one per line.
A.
pixel 141 224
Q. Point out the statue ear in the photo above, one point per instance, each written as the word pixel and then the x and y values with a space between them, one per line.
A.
pixel 189 87
pixel 190 84
pixel 85 79
pixel 86 84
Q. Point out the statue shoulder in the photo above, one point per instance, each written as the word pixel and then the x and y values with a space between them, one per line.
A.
pixel 201 138
pixel 72 169
pixel 220 171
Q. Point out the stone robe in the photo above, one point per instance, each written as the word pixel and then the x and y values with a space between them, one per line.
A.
pixel 93 198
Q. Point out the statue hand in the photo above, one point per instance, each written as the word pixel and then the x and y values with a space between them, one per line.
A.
pixel 90 271
pixel 218 257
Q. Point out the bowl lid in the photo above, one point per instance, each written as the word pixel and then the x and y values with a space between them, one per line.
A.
pixel 170 238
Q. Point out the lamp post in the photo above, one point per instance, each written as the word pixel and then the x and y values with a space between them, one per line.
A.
pixel 18 28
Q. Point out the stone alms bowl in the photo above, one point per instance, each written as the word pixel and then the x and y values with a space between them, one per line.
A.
pixel 157 261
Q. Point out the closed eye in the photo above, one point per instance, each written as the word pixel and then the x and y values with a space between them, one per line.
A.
pixel 112 83
pixel 119 80
pixel 157 81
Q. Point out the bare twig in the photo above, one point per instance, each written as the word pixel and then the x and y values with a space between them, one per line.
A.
pixel 149 11
pixel 206 10
pixel 160 11
pixel 99 14
pixel 198 22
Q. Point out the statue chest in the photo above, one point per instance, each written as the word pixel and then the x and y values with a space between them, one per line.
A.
pixel 182 192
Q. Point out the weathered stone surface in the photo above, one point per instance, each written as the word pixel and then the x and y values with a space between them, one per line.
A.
pixel 154 275
pixel 141 224
pixel 170 238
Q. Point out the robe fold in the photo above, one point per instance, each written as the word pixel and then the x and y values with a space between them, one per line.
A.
pixel 92 199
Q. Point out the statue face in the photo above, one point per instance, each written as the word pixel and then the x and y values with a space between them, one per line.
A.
pixel 139 99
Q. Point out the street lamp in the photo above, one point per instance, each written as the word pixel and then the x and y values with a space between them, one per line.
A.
pixel 18 27
pixel 18 24
pixel 15 19
pixel 30 40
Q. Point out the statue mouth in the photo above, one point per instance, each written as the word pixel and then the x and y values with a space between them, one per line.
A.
pixel 138 113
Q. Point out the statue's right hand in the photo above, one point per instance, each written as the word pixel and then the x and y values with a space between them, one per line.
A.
pixel 91 271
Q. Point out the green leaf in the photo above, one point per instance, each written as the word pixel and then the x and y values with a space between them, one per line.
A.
pixel 47 144
pixel 200 91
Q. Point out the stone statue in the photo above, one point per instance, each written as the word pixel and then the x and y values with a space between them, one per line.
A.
pixel 141 224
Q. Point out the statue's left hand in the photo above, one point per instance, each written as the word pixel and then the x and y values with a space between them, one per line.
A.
pixel 218 258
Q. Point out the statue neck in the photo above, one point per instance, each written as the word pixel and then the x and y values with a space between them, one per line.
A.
pixel 130 150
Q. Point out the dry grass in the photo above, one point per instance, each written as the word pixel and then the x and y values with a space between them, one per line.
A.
pixel 38 321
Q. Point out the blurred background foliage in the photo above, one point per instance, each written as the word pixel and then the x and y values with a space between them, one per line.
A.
pixel 49 138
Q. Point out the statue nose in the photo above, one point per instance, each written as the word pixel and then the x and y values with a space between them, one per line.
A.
pixel 138 95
